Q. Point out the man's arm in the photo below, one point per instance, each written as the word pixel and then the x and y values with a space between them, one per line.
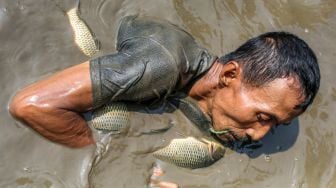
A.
pixel 53 106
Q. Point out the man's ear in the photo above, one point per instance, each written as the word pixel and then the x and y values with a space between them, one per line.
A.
pixel 230 71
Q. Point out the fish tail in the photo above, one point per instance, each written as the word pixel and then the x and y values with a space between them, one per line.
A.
pixel 77 4
pixel 156 131
pixel 97 42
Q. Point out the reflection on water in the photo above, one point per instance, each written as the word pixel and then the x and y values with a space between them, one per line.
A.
pixel 37 41
pixel 305 14
pixel 194 23
pixel 314 150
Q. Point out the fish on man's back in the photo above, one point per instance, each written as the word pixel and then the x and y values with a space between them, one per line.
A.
pixel 84 39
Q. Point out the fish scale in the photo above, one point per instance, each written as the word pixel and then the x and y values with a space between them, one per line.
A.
pixel 189 153
pixel 111 117
pixel 83 37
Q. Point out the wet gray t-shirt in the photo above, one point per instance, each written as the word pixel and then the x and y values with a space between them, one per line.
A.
pixel 154 59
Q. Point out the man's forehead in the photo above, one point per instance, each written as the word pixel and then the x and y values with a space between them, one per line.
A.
pixel 279 98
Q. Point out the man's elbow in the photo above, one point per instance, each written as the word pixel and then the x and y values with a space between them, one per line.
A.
pixel 22 106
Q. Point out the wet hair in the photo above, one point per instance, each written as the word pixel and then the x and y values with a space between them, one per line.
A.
pixel 276 55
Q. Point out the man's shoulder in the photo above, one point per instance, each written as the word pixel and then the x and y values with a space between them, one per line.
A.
pixel 140 33
pixel 159 30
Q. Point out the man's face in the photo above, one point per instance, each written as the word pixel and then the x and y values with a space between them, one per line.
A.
pixel 247 111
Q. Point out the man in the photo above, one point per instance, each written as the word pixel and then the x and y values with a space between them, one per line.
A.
pixel 267 81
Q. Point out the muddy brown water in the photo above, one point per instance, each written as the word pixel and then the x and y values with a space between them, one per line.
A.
pixel 36 41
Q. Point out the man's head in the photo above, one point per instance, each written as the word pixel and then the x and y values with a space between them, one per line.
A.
pixel 267 81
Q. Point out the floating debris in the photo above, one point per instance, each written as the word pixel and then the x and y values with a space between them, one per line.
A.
pixel 268 158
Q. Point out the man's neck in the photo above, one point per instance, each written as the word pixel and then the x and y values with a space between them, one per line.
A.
pixel 203 89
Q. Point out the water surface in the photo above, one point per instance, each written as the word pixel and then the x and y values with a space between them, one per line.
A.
pixel 36 41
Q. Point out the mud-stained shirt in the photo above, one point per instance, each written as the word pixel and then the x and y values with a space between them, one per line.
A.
pixel 153 60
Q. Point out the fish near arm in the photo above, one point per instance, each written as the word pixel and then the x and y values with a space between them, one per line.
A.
pixel 53 106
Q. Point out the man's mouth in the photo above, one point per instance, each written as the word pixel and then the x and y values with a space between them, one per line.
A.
pixel 231 139
pixel 231 136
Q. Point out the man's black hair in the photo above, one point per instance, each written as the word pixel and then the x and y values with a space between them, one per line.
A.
pixel 278 55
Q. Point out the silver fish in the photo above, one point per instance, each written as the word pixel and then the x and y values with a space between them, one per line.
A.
pixel 83 37
pixel 191 153
pixel 111 117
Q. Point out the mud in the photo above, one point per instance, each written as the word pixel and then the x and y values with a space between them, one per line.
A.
pixel 36 40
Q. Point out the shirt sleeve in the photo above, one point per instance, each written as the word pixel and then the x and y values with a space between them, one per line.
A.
pixel 154 59
pixel 140 72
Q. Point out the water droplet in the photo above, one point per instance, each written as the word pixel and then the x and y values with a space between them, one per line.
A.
pixel 296 159
pixel 293 185
pixel 27 169
pixel 278 148
pixel 267 158
pixel 306 30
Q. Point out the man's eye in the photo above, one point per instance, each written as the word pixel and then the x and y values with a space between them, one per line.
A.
pixel 263 118
pixel 286 124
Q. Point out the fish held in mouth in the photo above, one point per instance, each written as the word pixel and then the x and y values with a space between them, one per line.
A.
pixel 191 153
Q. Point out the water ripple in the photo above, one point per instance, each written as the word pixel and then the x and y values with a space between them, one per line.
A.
pixel 100 10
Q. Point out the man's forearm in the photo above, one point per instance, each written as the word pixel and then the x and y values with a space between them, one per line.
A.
pixel 53 106
pixel 58 125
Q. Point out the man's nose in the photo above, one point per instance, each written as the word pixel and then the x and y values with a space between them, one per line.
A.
pixel 258 131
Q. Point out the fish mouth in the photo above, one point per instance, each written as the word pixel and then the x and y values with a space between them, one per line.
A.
pixel 216 152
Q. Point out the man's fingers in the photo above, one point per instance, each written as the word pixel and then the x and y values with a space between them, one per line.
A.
pixel 156 183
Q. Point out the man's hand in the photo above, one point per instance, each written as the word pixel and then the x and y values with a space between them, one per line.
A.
pixel 155 182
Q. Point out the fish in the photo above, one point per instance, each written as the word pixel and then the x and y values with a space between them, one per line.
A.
pixel 190 152
pixel 83 37
pixel 112 117
pixel 115 117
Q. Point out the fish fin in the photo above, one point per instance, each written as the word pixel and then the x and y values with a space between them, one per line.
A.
pixel 97 42
pixel 205 141
pixel 156 131
pixel 181 134
pixel 77 4
pixel 115 132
